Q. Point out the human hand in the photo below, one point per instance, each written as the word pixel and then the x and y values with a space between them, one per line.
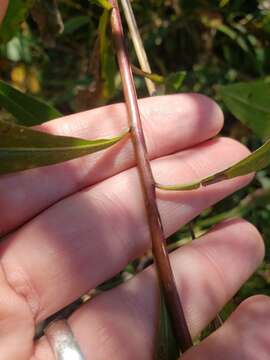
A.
pixel 71 226
pixel 74 225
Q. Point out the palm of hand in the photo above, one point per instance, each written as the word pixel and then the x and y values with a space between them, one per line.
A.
pixel 77 224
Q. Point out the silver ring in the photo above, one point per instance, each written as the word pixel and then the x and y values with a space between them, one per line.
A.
pixel 62 341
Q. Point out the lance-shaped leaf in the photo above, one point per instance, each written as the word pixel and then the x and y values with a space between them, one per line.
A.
pixel 166 346
pixel 26 109
pixel 22 148
pixel 107 57
pixel 250 103
pixel 256 161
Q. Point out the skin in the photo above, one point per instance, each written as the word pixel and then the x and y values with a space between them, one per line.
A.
pixel 71 226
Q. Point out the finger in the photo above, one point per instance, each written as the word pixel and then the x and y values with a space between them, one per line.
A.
pixel 120 324
pixel 16 324
pixel 171 123
pixel 3 8
pixel 89 237
pixel 244 336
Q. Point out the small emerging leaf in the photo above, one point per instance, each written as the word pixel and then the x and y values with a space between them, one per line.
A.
pixel 22 148
pixel 25 108
pixel 151 76
pixel 103 3
pixel 172 82
pixel 250 103
pixel 256 161
pixel 166 347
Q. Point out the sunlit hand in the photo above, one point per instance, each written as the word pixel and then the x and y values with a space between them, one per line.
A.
pixel 74 225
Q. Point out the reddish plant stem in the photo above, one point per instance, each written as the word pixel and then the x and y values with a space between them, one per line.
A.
pixel 165 274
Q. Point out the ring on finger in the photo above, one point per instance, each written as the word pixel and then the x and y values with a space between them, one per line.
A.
pixel 62 341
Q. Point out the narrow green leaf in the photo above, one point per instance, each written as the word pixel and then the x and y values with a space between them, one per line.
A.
pixel 249 102
pixel 26 109
pixel 75 23
pixel 235 36
pixel 103 3
pixel 16 14
pixel 166 346
pixel 256 161
pixel 23 148
pixel 180 187
pixel 107 57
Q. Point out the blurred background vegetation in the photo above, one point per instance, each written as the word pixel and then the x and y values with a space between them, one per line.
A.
pixel 60 52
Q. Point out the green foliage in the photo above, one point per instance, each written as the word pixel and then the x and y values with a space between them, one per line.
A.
pixel 201 38
pixel 22 148
pixel 75 24
pixel 26 109
pixel 174 81
pixel 16 13
pixel 107 58
pixel 258 160
pixel 250 103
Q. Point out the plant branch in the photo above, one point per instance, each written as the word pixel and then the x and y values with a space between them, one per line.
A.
pixel 145 70
pixel 138 44
pixel 155 78
pixel 164 270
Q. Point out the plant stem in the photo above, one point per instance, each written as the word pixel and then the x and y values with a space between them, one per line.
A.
pixel 138 44
pixel 164 269
pixel 257 198
pixel 145 70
